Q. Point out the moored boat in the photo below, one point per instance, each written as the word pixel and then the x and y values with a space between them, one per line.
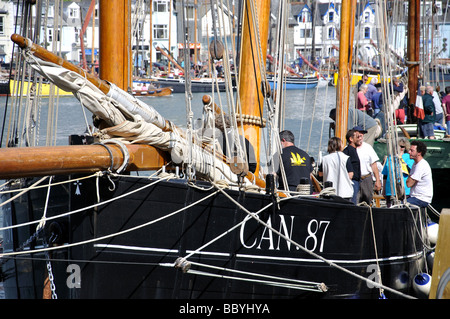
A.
pixel 146 88
pixel 197 84
pixel 202 225
pixel 297 83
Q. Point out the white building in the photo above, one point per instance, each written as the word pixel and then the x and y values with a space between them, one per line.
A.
pixel 6 30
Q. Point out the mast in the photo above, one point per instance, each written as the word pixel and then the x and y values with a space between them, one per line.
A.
pixel 345 56
pixel 251 96
pixel 150 72
pixel 413 50
pixel 115 49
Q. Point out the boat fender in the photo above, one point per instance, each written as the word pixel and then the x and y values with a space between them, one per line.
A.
pixel 432 231
pixel 401 282
pixel 422 284
pixel 183 264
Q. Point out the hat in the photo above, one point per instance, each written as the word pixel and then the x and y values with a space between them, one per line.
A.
pixel 360 129
pixel 333 114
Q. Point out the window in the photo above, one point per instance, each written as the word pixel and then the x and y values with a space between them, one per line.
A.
pixel 77 35
pixel 50 35
pixel 330 16
pixel 331 33
pixel 305 33
pixel 74 12
pixel 48 11
pixel 305 16
pixel 160 6
pixel 367 17
pixel 2 26
pixel 190 13
pixel 160 31
pixel 366 33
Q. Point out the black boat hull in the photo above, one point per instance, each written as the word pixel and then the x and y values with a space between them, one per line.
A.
pixel 229 254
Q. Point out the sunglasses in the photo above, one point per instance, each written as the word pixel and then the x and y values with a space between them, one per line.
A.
pixel 402 146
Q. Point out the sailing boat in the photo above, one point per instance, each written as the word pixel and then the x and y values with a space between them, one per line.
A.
pixel 202 227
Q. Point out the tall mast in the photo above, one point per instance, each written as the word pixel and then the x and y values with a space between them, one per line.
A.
pixel 251 97
pixel 115 51
pixel 413 50
pixel 345 56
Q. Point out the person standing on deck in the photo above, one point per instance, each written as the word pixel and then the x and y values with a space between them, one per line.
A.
pixel 405 163
pixel 430 113
pixel 446 107
pixel 377 101
pixel 362 103
pixel 420 179
pixel 438 107
pixel 371 90
pixel 352 138
pixel 363 80
pixel 368 159
pixel 336 167
pixel 296 163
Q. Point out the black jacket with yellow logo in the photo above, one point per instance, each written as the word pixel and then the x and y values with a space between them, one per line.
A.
pixel 297 165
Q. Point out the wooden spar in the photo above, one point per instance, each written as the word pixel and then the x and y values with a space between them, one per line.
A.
pixel 413 49
pixel 251 96
pixel 286 67
pixel 171 59
pixel 45 55
pixel 343 91
pixel 42 161
pixel 309 64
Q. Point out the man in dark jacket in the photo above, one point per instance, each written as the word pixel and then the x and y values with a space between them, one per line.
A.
pixel 350 150
pixel 296 163
pixel 430 113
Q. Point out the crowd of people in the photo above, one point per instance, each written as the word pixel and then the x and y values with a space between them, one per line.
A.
pixel 355 172
pixel 433 111
pixel 432 107
pixel 369 98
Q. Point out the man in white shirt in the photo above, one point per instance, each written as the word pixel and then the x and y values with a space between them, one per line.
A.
pixel 438 108
pixel 420 178
pixel 368 159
